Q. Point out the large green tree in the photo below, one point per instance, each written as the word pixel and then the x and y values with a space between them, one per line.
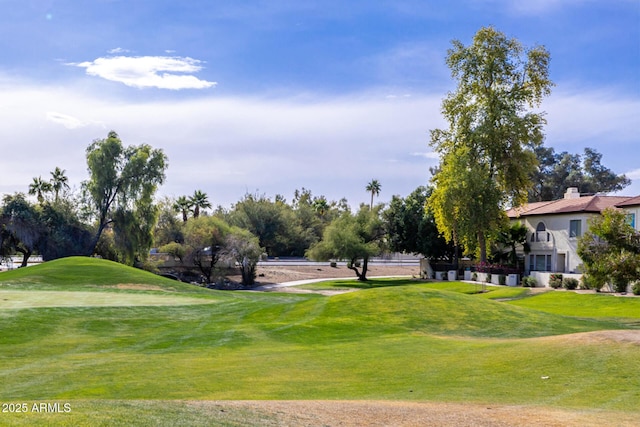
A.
pixel 610 250
pixel 121 186
pixel 205 238
pixel 558 171
pixel 411 227
pixel 487 153
pixel 243 248
pixel 21 229
pixel 354 238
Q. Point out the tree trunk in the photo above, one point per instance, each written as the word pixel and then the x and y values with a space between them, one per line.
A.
pixel 362 277
pixel 482 243
pixel 365 266
pixel 26 253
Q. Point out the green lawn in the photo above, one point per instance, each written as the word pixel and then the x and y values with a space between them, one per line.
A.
pixel 397 340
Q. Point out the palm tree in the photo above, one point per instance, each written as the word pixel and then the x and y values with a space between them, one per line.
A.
pixel 321 206
pixel 511 237
pixel 39 188
pixel 58 181
pixel 374 188
pixel 199 200
pixel 183 205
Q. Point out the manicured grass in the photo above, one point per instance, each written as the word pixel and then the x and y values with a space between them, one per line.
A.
pixel 484 291
pixel 594 305
pixel 402 341
pixel 83 273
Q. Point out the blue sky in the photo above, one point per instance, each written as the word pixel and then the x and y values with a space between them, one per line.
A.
pixel 270 96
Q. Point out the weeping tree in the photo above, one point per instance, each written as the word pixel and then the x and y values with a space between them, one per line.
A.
pixel 487 153
pixel 121 186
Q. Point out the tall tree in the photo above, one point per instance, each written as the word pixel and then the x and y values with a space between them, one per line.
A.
pixel 558 171
pixel 492 134
pixel 198 201
pixel 122 183
pixel 374 187
pixel 39 187
pixel 59 182
pixel 183 205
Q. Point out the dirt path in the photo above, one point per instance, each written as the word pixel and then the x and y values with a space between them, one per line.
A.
pixel 400 414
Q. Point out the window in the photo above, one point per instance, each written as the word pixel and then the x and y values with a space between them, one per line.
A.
pixel 540 262
pixel 631 218
pixel 541 234
pixel 575 228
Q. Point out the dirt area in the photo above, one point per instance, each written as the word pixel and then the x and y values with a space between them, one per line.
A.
pixel 280 274
pixel 388 413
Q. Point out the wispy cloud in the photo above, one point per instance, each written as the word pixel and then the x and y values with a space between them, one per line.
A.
pixel 65 120
pixel 163 72
pixel 118 50
pixel 431 155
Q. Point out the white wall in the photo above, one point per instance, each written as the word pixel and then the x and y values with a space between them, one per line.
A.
pixel 561 243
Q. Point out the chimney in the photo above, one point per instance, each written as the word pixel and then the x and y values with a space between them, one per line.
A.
pixel 572 193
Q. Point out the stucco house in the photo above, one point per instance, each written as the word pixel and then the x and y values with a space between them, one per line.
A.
pixel 555 227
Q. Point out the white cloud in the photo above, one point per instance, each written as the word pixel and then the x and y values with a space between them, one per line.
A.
pixel 162 72
pixel 65 120
pixel 432 155
pixel 634 174
pixel 118 50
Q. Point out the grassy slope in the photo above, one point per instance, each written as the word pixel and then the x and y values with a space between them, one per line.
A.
pixel 409 342
pixel 81 273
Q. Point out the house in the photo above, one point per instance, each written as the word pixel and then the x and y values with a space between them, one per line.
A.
pixel 555 227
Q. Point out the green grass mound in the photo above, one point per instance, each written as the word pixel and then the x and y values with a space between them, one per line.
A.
pixel 76 273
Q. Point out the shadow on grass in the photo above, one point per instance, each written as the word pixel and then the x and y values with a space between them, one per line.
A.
pixel 371 283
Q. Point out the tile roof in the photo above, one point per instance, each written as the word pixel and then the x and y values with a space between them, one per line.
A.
pixel 593 204
pixel 633 201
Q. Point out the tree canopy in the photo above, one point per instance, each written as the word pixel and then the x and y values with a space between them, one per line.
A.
pixel 353 238
pixel 122 183
pixel 558 171
pixel 411 227
pixel 610 250
pixel 487 154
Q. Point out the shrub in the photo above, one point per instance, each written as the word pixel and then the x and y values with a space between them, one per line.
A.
pixel 488 278
pixel 555 281
pixel 636 288
pixel 502 279
pixel 529 282
pixel 570 283
pixel 474 276
pixel 587 283
pixel 620 285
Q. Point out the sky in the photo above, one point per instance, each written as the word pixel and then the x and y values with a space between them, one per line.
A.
pixel 266 97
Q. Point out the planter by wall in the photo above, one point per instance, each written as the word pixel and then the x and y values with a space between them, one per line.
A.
pixel 513 280
pixel 440 275
pixel 467 275
pixel 452 275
